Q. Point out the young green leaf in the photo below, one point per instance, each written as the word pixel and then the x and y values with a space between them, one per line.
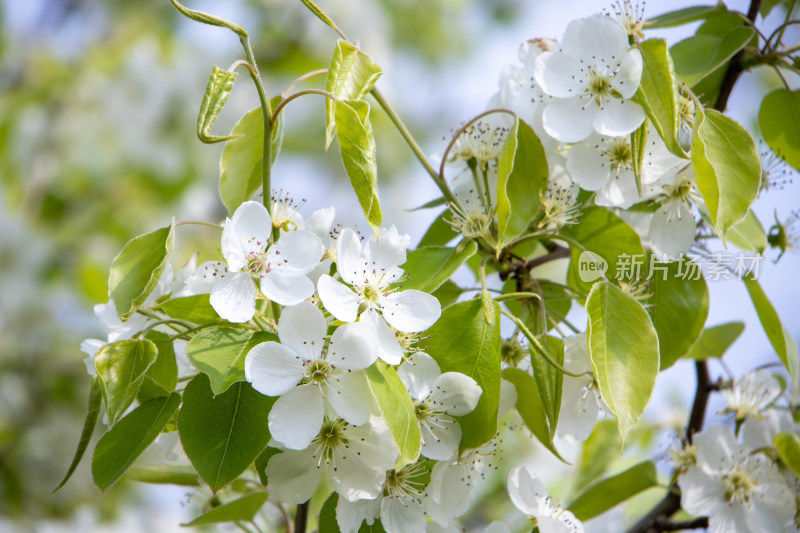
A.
pixel 183 475
pixel 327 516
pixel 700 55
pixel 462 341
pixel 123 443
pixel 612 491
pixel 549 379
pixel 223 435
pixel 162 376
pixel 92 412
pixel 788 447
pixel 685 16
pixel 220 354
pixel 428 268
pixel 398 410
pixel 522 171
pixel 240 510
pixel 638 151
pixel 599 450
pixel 137 268
pixel 357 146
pixel 217 91
pixel 351 75
pixel 623 346
pixel 121 367
pixel 748 234
pixel 778 336
pixel 195 309
pixel 726 166
pixel 439 233
pixel 715 341
pixel 779 119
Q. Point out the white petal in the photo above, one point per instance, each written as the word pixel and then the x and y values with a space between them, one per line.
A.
pixel 450 493
pixel 579 410
pixel 273 369
pixel 672 234
pixel 390 250
pixel 618 117
pixel 358 471
pixel 293 476
pixel 247 231
pixel 411 311
pixel 508 398
pixel 350 515
pixel 234 297
pixel 389 349
pixel 320 223
pixel 297 416
pixel 302 329
pixel 418 373
pixel 350 397
pixel 206 275
pixel 595 38
pixel 497 527
pixel 300 250
pixel 440 437
pixel 701 494
pixel 353 346
pixel 620 191
pixel 630 74
pixel 559 74
pixel 286 287
pixel 373 444
pixel 589 168
pixel 455 394
pixel 716 449
pixel 402 516
pixel 338 298
pixel 569 120
pixel 91 346
pixel 525 490
pixel 349 263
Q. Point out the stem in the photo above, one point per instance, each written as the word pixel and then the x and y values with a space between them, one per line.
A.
pixel 145 331
pixel 198 223
pixel 303 78
pixel 735 67
pixel 463 128
pixel 286 518
pixel 301 518
pixel 298 94
pixel 517 296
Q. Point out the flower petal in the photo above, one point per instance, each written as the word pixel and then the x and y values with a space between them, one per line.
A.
pixel 589 167
pixel 299 250
pixel 272 368
pixel 350 397
pixel 569 120
pixel 450 493
pixel 286 287
pixel 441 435
pixel 338 298
pixel 596 39
pixel 247 231
pixel 350 515
pixel 579 409
pixel 411 311
pixel 559 74
pixel 302 329
pixel 525 490
pixel 293 476
pixel 455 394
pixel 402 516
pixel 234 297
pixel 390 250
pixel 618 117
pixel 297 416
pixel 389 349
pixel 671 233
pixel 620 191
pixel 358 471
pixel 349 262
pixel 626 82
pixel 353 346
pixel 320 223
pixel 418 373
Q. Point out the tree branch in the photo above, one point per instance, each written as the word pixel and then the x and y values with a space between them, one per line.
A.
pixel 301 518
pixel 736 66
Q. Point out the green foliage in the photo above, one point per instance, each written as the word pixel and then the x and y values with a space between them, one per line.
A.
pixel 463 341
pixel 398 410
pixel 612 491
pixel 222 435
pixel 240 510
pixel 217 92
pixel 439 233
pixel 430 267
pixel 162 376
pixel 726 166
pixel 137 268
pixel 92 412
pixel 715 341
pixel 700 55
pixel 788 447
pixel 220 353
pixel 685 15
pixel 183 475
pixel 599 450
pixel 623 346
pixel 123 443
pixel 121 367
pixel 779 119
pixel 748 234
pixel 329 524
pixel 195 308
pixel 549 379
pixel 357 145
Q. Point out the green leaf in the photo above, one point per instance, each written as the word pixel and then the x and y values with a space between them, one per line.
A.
pixel 239 510
pixel 162 376
pixel 240 166
pixel 428 268
pixel 778 336
pixel 700 55
pixel 262 461
pixel 351 75
pixel 685 15
pixel 195 309
pixel 638 141
pixel 788 448
pixel 623 346
pixel 727 167
pixel 319 13
pixel 612 491
pixel 715 341
pixel 679 308
pixel 220 354
pixel 439 233
pixel 398 410
pixel 137 268
pixel 183 475
pixel 462 341
pixel 658 92
pixel 605 234
pixel 599 450
pixel 223 435
pixel 549 379
pixel 357 145
pixel 123 443
pixel 327 516
pixel 217 92
pixel 530 407
pixel 92 412
pixel 121 367
pixel 748 234
pixel 522 171
pixel 779 119
pixel 448 293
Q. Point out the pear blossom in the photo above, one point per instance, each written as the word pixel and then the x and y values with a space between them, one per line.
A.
pixel 438 398
pixel 673 227
pixel 367 273
pixel 529 496
pixel 473 215
pixel 738 489
pixel 751 394
pixel 253 263
pixel 759 432
pixel 580 399
pixel 484 138
pixel 592 79
pixel 307 375
pixel 559 202
pixel 356 459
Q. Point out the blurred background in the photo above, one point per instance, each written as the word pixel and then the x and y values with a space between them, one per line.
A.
pixel 98 102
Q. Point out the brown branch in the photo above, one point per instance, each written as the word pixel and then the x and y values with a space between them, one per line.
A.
pixel 301 518
pixel 736 66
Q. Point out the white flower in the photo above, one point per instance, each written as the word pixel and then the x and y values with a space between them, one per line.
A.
pixel 751 394
pixel 473 215
pixel 529 496
pixel 306 374
pixel 758 432
pixel 279 270
pixel 673 226
pixel 592 79
pixel 369 271
pixel 484 138
pixel 740 491
pixel 438 398
pixel 580 400
pixel 356 458
pixel 559 201
pixel 320 223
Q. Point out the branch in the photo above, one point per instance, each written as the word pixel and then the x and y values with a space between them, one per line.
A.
pixel 301 518
pixel 736 65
